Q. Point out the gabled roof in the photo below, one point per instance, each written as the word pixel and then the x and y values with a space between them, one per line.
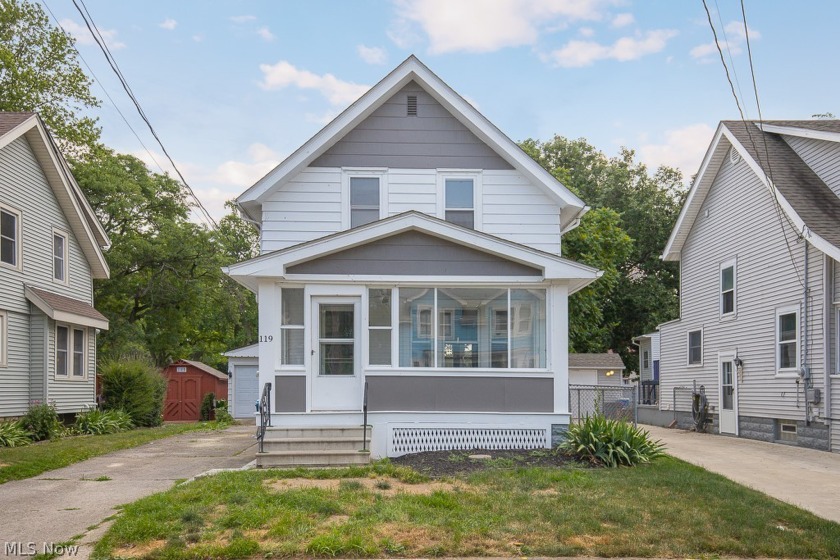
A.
pixel 276 263
pixel 605 360
pixel 81 217
pixel 250 351
pixel 413 70
pixel 818 129
pixel 66 309
pixel 203 367
pixel 808 202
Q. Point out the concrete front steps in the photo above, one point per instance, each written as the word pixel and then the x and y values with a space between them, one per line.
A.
pixel 317 446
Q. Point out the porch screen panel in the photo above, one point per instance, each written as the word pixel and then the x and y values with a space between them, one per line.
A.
pixel 527 329
pixel 465 334
pixel 379 327
pixel 291 328
pixel 416 323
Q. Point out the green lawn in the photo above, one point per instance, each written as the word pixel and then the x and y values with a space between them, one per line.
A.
pixel 31 460
pixel 667 508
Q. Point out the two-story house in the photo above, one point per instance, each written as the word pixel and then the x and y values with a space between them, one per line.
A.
pixel 758 242
pixel 411 267
pixel 51 247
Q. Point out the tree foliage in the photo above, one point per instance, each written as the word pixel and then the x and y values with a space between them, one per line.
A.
pixel 39 71
pixel 623 235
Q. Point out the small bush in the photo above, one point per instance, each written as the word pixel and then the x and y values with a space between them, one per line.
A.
pixel 12 434
pixel 221 403
pixel 135 387
pixel 223 417
pixel 97 422
pixel 611 443
pixel 41 421
pixel 207 406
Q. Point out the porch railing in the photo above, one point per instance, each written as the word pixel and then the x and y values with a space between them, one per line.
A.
pixel 364 419
pixel 265 415
pixel 649 392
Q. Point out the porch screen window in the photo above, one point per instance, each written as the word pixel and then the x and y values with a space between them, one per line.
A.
pixel 475 328
pixel 788 340
pixel 62 350
pixel 727 289
pixel 695 347
pixel 364 200
pixel 459 202
pixel 291 327
pixel 9 237
pixel 379 327
pixel 59 257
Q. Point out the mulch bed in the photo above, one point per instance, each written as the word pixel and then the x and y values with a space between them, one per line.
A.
pixel 450 463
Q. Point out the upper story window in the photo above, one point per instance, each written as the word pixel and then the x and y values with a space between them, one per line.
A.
pixel 695 348
pixel 727 288
pixel 10 237
pixel 787 339
pixel 459 201
pixel 60 250
pixel 364 200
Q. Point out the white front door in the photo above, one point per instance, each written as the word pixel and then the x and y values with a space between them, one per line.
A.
pixel 336 371
pixel 728 391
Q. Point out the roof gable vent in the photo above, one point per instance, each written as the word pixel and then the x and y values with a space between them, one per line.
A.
pixel 734 156
pixel 411 106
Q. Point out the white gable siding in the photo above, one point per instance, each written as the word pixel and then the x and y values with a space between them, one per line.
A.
pixel 821 156
pixel 742 224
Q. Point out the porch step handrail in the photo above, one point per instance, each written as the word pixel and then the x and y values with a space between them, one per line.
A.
pixel 265 415
pixel 365 418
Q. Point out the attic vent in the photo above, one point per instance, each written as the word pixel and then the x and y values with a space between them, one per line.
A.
pixel 411 106
pixel 734 156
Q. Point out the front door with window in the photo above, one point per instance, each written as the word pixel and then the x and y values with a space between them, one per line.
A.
pixel 336 359
pixel 728 405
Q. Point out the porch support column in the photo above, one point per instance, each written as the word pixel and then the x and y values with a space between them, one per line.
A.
pixel 559 345
pixel 268 303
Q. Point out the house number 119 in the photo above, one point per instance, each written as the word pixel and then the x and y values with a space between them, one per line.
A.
pixel 266 338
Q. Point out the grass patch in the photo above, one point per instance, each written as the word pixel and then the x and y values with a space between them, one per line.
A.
pixel 25 462
pixel 667 509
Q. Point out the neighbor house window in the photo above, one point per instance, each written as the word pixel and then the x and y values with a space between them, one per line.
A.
pixel 291 327
pixel 695 348
pixel 4 328
pixel 459 202
pixel 364 200
pixel 59 257
pixel 787 338
pixel 727 288
pixel 379 327
pixel 10 237
pixel 645 359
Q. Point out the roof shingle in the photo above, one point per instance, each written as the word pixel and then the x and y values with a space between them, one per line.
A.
pixel 606 360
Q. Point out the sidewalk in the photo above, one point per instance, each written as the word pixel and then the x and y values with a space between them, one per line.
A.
pixel 58 505
pixel 803 477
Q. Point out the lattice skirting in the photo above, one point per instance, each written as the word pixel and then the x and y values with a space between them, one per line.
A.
pixel 414 440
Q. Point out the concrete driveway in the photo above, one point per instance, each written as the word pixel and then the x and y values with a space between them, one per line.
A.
pixel 803 477
pixel 60 504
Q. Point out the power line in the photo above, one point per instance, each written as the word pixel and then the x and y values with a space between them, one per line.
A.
pixel 100 41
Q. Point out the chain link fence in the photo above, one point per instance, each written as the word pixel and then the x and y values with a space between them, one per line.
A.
pixel 617 402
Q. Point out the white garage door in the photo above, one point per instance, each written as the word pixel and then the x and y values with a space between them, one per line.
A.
pixel 245 391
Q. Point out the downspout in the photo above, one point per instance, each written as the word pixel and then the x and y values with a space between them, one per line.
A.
pixel 828 298
pixel 806 371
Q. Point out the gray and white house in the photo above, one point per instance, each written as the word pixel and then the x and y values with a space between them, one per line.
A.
pixel 51 247
pixel 758 242
pixel 411 259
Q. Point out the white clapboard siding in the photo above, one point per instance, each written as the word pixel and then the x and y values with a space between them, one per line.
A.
pixel 821 156
pixel 14 390
pixel 412 189
pixel 743 224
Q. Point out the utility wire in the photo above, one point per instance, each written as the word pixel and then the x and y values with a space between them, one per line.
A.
pixel 100 41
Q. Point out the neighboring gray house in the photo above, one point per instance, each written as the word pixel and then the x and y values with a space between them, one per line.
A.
pixel 758 242
pixel 50 251
pixel 412 249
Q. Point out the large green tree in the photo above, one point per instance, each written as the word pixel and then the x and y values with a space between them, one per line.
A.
pixel 39 71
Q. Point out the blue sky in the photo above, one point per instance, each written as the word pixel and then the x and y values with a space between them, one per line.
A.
pixel 234 87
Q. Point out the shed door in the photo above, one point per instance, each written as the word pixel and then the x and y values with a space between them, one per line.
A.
pixel 245 391
pixel 183 398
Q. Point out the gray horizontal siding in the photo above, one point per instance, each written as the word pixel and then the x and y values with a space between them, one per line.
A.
pixel 14 377
pixel 37 354
pixel 821 156
pixel 71 395
pixel 413 253
pixel 743 224
pixel 432 139
pixel 460 394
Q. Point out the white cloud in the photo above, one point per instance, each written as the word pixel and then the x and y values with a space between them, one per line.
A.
pixel 683 148
pixel 284 74
pixel 242 19
pixel 198 38
pixel 576 54
pixel 586 32
pixel 732 39
pixel 266 34
pixel 83 36
pixel 622 20
pixel 372 55
pixel 169 24
pixel 481 26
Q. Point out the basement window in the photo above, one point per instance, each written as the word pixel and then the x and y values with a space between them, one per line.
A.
pixel 411 106
pixel 787 431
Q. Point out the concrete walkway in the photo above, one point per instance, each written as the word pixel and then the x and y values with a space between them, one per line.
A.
pixel 803 477
pixel 60 504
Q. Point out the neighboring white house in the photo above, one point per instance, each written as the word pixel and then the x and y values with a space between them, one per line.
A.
pixel 410 247
pixel 243 386
pixel 50 251
pixel 649 359
pixel 758 242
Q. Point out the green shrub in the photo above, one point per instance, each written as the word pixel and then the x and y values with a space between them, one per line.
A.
pixel 97 422
pixel 611 443
pixel 223 417
pixel 221 403
pixel 12 434
pixel 135 387
pixel 207 406
pixel 41 421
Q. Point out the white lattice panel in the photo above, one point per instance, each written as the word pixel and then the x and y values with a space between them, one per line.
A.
pixel 415 440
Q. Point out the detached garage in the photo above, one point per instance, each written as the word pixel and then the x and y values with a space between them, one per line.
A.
pixel 187 383
pixel 243 390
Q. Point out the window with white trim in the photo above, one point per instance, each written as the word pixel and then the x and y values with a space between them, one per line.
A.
pixel 787 339
pixel 10 237
pixel 4 328
pixel 60 250
pixel 727 288
pixel 70 352
pixel 364 200
pixel 379 326
pixel 291 327
pixel 695 347
pixel 459 201
pixel 645 359
pixel 78 361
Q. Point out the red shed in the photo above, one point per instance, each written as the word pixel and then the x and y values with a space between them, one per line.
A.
pixel 187 383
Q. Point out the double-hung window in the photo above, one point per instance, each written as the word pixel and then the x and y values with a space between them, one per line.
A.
pixel 70 352
pixel 60 257
pixel 645 359
pixel 695 348
pixel 459 201
pixel 379 326
pixel 727 289
pixel 291 327
pixel 10 237
pixel 364 200
pixel 787 339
